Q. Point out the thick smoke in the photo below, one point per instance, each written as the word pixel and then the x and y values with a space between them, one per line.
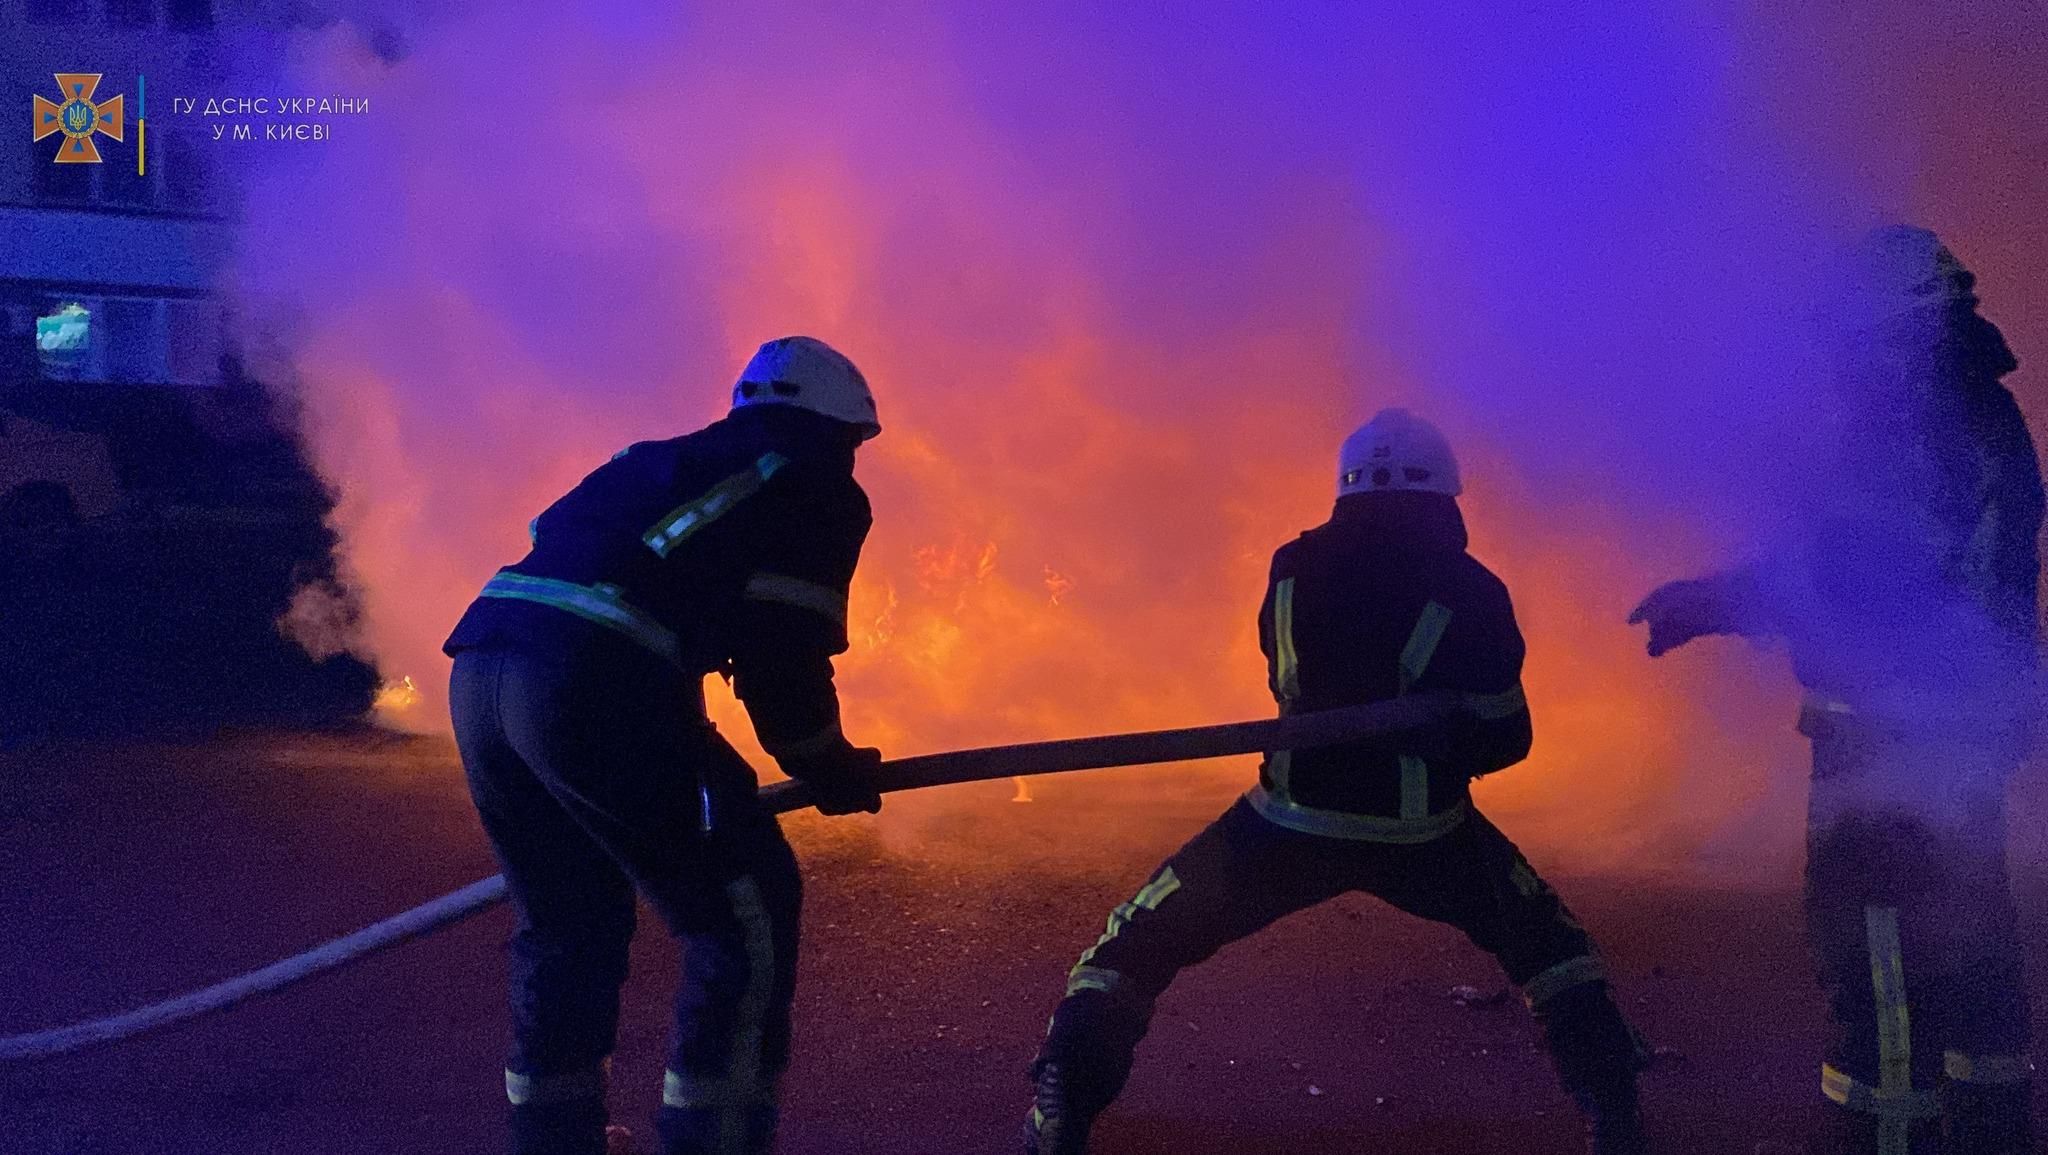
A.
pixel 1123 282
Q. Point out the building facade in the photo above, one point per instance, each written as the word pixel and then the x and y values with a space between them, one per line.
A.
pixel 116 260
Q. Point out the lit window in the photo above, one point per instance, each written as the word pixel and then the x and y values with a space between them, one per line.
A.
pixel 64 341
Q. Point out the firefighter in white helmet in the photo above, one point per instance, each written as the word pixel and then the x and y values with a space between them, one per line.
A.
pixel 1380 601
pixel 1907 600
pixel 578 705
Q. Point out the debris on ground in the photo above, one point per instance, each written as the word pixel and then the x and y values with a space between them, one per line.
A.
pixel 1466 996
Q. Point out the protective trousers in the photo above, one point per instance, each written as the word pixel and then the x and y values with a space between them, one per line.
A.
pixel 1244 872
pixel 1914 930
pixel 595 775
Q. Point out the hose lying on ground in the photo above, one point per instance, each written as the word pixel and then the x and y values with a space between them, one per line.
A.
pixel 1296 732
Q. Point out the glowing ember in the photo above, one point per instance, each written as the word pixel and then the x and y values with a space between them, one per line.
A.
pixel 397 697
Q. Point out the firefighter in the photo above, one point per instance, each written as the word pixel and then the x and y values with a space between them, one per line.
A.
pixel 1907 601
pixel 578 706
pixel 1380 601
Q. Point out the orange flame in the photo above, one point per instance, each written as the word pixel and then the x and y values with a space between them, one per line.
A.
pixel 1077 494
pixel 396 699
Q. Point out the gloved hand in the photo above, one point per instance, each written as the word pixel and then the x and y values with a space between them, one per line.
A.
pixel 1678 612
pixel 841 780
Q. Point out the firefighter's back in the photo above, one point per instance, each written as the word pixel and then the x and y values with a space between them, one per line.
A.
pixel 1380 601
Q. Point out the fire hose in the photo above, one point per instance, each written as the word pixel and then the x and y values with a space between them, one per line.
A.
pixel 1293 732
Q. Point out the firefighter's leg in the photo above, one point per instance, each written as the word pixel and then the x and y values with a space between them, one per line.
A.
pixel 644 775
pixel 1866 876
pixel 575 918
pixel 1475 879
pixel 1973 1002
pixel 732 1011
pixel 1235 877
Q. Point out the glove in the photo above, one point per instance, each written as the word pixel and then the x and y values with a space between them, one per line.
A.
pixel 841 780
pixel 1678 612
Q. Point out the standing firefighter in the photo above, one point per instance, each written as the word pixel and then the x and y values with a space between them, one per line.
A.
pixel 1380 601
pixel 579 709
pixel 1908 604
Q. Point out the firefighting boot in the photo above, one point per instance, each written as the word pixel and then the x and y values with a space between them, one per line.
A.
pixel 1614 1120
pixel 747 1129
pixel 1597 1055
pixel 568 1128
pixel 1846 1132
pixel 1057 1124
pixel 1986 1118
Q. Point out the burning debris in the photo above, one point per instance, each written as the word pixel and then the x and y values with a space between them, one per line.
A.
pixel 396 698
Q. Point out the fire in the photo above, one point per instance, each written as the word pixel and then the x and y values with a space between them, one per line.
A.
pixel 396 699
pixel 1116 329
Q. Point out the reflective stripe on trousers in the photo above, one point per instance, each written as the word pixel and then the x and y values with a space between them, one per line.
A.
pixel 1570 973
pixel 741 1091
pixel 1149 896
pixel 1894 1100
pixel 1986 1070
pixel 563 1087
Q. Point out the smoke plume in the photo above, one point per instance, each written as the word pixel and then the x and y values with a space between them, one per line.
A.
pixel 1123 282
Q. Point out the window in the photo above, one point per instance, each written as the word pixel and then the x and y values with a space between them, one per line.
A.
pixel 121 185
pixel 65 349
pixel 132 348
pixel 62 184
pixel 192 15
pixel 129 340
pixel 18 355
pixel 194 332
pixel 132 13
pixel 188 172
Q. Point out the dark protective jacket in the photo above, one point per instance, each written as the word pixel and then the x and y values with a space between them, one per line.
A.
pixel 1910 595
pixel 729 548
pixel 1380 601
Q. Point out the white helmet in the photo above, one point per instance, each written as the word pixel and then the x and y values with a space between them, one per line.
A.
pixel 1397 450
pixel 809 374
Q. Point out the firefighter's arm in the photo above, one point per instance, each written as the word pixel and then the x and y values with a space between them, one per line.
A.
pixel 1481 659
pixel 792 621
pixel 2003 555
pixel 1266 645
pixel 1730 602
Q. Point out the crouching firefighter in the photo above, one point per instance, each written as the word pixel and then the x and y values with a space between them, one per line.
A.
pixel 1380 601
pixel 578 707
pixel 1906 598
